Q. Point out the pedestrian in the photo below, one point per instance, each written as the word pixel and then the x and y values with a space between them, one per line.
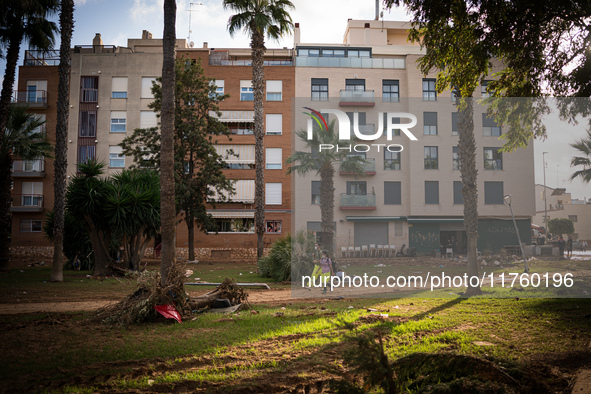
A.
pixel 584 246
pixel 323 270
pixel 569 247
pixel 561 245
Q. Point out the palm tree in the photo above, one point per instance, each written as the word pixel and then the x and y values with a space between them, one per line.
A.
pixel 22 139
pixel 323 162
pixel 19 20
pixel 61 136
pixel 167 200
pixel 583 146
pixel 259 18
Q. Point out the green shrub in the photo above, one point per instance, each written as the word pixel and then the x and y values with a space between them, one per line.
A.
pixel 290 257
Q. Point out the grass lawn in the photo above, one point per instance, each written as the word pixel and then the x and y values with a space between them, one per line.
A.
pixel 297 343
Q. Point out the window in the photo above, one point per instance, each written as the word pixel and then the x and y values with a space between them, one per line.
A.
pixel 390 91
pixel 431 158
pixel 118 121
pixel 319 89
pixel 87 124
pixel 237 225
pixel 116 158
pixel 274 158
pixel 41 128
pixel 493 159
pixel 458 196
pixel 493 193
pixel 30 226
pixel 392 193
pixel 273 193
pixel 315 192
pixel 483 89
pixel 395 121
pixel 273 226
pixel 119 87
pixel 32 194
pixel 274 124
pixel 36 91
pixel 89 89
pixel 241 128
pixel 246 91
pixel 573 218
pixel 219 86
pixel 398 229
pixel 454 123
pixel 490 127
pixel 455 157
pixel 429 92
pixel 148 119
pixel 274 90
pixel 391 160
pixel 355 85
pixel 430 123
pixel 357 187
pixel 431 192
pixel 86 153
pixel 237 157
pixel 243 192
pixel 147 87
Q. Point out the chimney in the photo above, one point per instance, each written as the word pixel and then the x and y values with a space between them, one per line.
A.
pixel 377 9
pixel 205 44
pixel 296 34
pixel 146 35
pixel 97 40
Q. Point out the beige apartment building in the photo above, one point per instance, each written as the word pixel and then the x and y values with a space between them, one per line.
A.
pixel 412 197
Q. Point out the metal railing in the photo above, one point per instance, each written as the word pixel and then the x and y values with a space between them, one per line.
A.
pixel 88 95
pixel 349 201
pixel 28 167
pixel 214 61
pixel 41 58
pixel 27 201
pixel 31 97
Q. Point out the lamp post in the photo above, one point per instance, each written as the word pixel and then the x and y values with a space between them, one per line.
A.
pixel 507 200
pixel 545 203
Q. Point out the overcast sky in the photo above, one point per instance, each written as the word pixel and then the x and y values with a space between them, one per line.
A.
pixel 320 22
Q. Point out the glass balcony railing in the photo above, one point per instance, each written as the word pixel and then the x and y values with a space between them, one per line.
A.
pixel 27 203
pixel 224 62
pixel 357 96
pixel 351 62
pixel 32 98
pixel 358 201
pixel 28 168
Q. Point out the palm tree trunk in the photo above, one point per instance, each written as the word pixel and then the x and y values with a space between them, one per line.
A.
pixel 257 45
pixel 61 135
pixel 190 220
pixel 467 153
pixel 167 202
pixel 327 208
pixel 6 162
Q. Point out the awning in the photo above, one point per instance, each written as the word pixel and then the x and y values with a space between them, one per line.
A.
pixel 435 220
pixel 234 116
pixel 375 218
pixel 221 214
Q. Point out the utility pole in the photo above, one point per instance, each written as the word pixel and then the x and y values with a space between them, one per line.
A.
pixel 190 11
pixel 545 203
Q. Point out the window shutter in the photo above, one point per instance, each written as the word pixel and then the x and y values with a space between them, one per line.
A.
pixel 245 84
pixel 118 115
pixel 274 123
pixel 273 193
pixel 274 155
pixel 147 87
pixel 148 119
pixel 274 86
pixel 245 153
pixel 119 84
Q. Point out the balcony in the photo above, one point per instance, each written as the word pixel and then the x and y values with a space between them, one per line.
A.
pixel 351 62
pixel 42 58
pixel 366 202
pixel 214 61
pixel 369 167
pixel 27 203
pixel 30 98
pixel 28 168
pixel 357 98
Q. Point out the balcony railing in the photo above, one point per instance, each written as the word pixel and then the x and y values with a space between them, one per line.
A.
pixel 358 201
pixel 27 203
pixel 32 98
pixel 88 95
pixel 351 62
pixel 357 97
pixel 213 61
pixel 369 167
pixel 28 168
pixel 41 58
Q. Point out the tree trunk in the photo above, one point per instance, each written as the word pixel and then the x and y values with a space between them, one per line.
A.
pixel 327 209
pixel 257 44
pixel 167 202
pixel 101 254
pixel 61 135
pixel 5 178
pixel 191 231
pixel 467 153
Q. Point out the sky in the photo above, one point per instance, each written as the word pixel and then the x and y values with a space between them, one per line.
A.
pixel 320 22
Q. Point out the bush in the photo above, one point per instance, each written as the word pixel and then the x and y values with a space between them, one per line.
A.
pixel 290 257
pixel 76 241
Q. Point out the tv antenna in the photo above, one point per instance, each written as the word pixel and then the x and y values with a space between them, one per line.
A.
pixel 190 11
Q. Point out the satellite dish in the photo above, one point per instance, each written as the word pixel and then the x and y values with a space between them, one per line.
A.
pixel 191 44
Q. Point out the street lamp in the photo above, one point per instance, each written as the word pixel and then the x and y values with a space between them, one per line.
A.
pixel 507 200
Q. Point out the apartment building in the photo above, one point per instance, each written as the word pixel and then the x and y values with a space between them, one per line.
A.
pixel 231 69
pixel 412 195
pixel 32 187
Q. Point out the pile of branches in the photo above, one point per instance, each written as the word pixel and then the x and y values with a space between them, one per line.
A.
pixel 138 307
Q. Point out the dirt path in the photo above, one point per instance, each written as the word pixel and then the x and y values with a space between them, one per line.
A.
pixel 268 296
